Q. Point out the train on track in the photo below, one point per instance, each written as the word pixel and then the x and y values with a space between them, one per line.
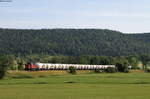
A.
pixel 50 66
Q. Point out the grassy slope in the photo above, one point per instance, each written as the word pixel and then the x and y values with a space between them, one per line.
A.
pixel 83 86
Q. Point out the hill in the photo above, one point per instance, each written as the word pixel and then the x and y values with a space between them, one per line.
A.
pixel 143 37
pixel 72 42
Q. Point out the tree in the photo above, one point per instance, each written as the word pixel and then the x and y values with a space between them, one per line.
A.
pixel 14 65
pixel 72 70
pixel 105 60
pixel 133 61
pixel 122 65
pixel 95 60
pixel 84 59
pixel 5 62
pixel 145 59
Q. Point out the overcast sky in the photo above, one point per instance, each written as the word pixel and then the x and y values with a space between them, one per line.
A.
pixel 122 15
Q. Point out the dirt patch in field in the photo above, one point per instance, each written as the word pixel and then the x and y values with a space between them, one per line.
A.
pixel 137 71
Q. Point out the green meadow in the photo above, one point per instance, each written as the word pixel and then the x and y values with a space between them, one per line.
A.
pixel 87 85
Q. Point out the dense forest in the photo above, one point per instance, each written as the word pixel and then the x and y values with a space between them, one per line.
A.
pixel 72 42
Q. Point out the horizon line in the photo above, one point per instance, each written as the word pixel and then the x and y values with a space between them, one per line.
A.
pixel 76 29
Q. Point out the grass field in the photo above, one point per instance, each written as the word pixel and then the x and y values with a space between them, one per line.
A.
pixel 84 85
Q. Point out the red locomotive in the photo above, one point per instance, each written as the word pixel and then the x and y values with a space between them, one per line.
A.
pixel 31 66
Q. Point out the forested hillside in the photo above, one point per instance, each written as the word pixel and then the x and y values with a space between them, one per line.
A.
pixel 72 42
pixel 143 37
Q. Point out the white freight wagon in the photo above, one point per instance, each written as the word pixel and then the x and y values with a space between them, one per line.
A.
pixel 50 66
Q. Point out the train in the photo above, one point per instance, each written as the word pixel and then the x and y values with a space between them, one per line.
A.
pixel 52 66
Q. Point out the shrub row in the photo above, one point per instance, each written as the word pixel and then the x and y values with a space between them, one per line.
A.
pixel 72 70
pixel 108 70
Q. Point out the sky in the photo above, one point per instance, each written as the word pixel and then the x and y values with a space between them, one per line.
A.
pixel 128 16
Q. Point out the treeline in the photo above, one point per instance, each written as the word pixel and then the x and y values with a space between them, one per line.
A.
pixel 72 42
pixel 137 62
pixel 122 63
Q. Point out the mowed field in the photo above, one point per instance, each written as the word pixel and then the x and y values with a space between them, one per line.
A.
pixel 84 85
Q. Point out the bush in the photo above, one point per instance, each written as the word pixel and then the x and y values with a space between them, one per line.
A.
pixel 111 70
pixel 126 70
pixel 12 68
pixel 72 70
pixel 20 67
pixel 147 70
pixel 98 71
